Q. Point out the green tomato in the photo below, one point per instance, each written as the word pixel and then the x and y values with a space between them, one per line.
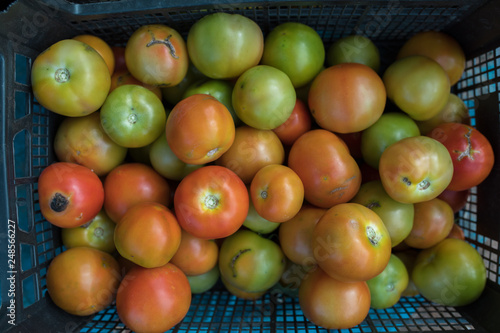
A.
pixel 166 163
pixel 219 89
pixel 98 233
pixel 386 288
pixel 355 48
pixel 397 216
pixel 257 223
pixel 133 116
pixel 297 50
pixel 250 262
pixel 389 128
pixel 451 273
pixel 264 97
pixel 203 282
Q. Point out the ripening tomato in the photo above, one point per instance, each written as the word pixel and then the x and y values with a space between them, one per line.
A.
pixel 123 77
pixel 333 304
pixel 131 183
pixel 346 98
pixel 351 243
pixel 82 140
pixel 148 234
pixel 199 129
pixel 223 45
pixel 240 293
pixel 204 282
pixel 69 194
pixel 257 223
pixel 470 151
pixel 173 95
pixel 83 280
pixel 70 78
pixel 456 232
pixel 297 124
pixel 153 299
pixel 211 202
pixel 277 193
pixel 418 86
pixel 195 255
pixel 440 47
pixel 101 47
pixel 119 56
pixel 456 199
pixel 252 149
pixel 329 173
pixel 408 258
pixel 156 54
pixel 433 221
pixel 354 48
pixel 415 169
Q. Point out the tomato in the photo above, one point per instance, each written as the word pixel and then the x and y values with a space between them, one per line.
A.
pixel 296 49
pixel 353 143
pixel 156 54
pixel 455 111
pixel 220 89
pixel 333 304
pixel 70 78
pixel 418 86
pixel 97 233
pixel 251 150
pixel 123 77
pixel 82 140
pixel 347 98
pixel 297 124
pixel 204 282
pixel 296 234
pixel 199 129
pixel 250 262
pixel 263 97
pixel 397 216
pixel 389 128
pixel 456 199
pixel 451 273
pixel 456 232
pixel 351 243
pixel 173 95
pixel 223 45
pixel 131 183
pixel 277 193
pixel 415 169
pixel 69 194
pixel 101 47
pixel 292 277
pixel 153 299
pixel 329 173
pixel 166 163
pixel 386 288
pixel 133 116
pixel 257 223
pixel 148 234
pixel 439 46
pixel 408 258
pixel 470 151
pixel 240 293
pixel 211 202
pixel 354 48
pixel 119 56
pixel 432 223
pixel 195 256
pixel 83 280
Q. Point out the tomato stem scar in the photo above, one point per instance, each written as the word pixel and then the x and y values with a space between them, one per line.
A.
pixel 62 75
pixel 468 151
pixel 59 202
pixel 165 42
pixel 233 260
pixel 423 185
pixel 211 201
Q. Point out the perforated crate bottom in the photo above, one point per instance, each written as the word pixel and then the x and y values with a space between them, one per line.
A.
pixel 219 311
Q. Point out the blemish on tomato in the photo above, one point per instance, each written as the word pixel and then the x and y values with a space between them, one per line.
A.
pixel 165 42
pixel 233 260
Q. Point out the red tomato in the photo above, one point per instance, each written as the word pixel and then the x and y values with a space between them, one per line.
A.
pixel 333 304
pixel 148 235
pixel 156 54
pixel 329 173
pixel 297 124
pixel 211 202
pixel 347 98
pixel 83 280
pixel 200 129
pixel 119 55
pixel 470 151
pixel 277 193
pixel 432 222
pixel 70 195
pixel 251 150
pixel 456 199
pixel 351 243
pixel 153 299
pixel 195 256
pixel 353 143
pixel 131 183
pixel 456 232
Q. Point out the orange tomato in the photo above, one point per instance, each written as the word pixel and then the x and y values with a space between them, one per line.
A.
pixel 101 47
pixel 297 124
pixel 195 255
pixel 122 77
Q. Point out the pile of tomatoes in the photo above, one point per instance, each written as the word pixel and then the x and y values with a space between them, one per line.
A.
pixel 259 162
